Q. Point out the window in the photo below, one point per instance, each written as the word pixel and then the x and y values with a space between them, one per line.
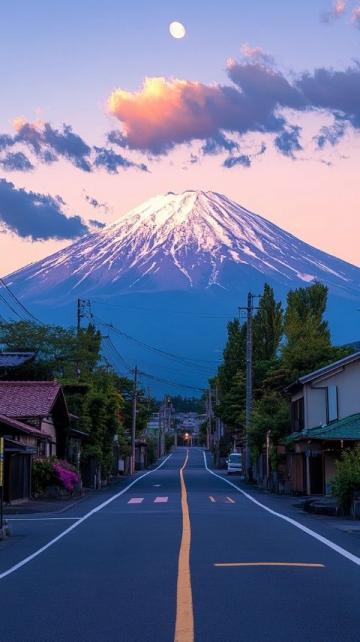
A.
pixel 332 404
pixel 41 448
pixel 297 415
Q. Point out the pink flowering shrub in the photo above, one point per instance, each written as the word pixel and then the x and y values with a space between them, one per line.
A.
pixel 53 472
pixel 66 475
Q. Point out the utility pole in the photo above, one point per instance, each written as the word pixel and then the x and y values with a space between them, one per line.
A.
pixel 210 415
pixel 249 379
pixel 217 427
pixel 133 422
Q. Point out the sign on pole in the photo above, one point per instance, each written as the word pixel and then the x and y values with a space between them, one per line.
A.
pixel 1 461
pixel 1 480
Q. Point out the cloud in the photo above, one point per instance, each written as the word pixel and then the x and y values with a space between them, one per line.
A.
pixel 97 224
pixel 168 112
pixel 255 53
pixel 288 141
pixel 48 143
pixel 244 160
pixel 330 135
pixel 264 88
pixel 337 11
pixel 355 17
pixel 16 162
pixel 95 203
pixel 36 216
pixel 333 91
pixel 111 161
pixel 217 144
pixel 5 141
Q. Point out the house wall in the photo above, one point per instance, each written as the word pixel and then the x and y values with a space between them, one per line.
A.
pixel 47 425
pixel 347 381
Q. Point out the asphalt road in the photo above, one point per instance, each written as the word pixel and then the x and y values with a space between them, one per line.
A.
pixel 117 576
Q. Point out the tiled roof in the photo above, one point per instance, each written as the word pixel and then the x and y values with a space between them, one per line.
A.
pixel 28 398
pixel 346 429
pixel 14 359
pixel 19 426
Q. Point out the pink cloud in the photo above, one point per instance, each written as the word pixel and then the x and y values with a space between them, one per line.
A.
pixel 355 16
pixel 338 10
pixel 255 53
pixel 166 112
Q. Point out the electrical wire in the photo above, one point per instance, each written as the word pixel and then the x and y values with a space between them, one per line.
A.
pixel 193 363
pixel 166 311
pixel 109 344
pixel 18 302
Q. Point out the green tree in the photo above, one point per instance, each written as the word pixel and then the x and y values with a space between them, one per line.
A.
pixel 60 352
pixel 307 336
pixel 267 327
pixel 233 355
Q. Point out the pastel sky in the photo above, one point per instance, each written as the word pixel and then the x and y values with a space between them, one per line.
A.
pixel 101 108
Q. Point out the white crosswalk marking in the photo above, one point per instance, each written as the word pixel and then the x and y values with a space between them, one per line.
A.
pixel 160 500
pixel 230 501
pixel 212 499
pixel 136 500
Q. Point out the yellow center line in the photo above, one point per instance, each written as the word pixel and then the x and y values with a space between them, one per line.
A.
pixel 184 626
pixel 296 564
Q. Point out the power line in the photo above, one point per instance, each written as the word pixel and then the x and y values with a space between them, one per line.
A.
pixel 2 298
pixel 18 302
pixel 175 357
pixel 170 383
pixel 109 344
pixel 166 311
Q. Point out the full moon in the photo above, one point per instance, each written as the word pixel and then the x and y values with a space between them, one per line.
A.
pixel 177 30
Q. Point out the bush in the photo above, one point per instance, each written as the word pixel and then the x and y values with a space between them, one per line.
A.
pixel 347 478
pixel 43 475
pixel 66 475
pixel 53 472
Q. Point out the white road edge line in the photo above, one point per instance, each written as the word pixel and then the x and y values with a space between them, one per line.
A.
pixel 68 530
pixel 338 549
pixel 39 519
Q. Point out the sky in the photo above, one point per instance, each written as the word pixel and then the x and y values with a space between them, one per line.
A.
pixel 101 109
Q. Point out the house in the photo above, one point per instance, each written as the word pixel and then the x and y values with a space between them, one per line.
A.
pixel 325 419
pixel 10 360
pixel 14 365
pixel 35 421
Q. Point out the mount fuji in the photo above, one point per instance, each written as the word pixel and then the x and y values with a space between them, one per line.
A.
pixel 173 269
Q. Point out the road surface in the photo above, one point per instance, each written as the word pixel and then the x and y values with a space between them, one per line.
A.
pixel 180 555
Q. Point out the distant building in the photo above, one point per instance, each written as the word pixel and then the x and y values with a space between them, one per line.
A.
pixel 14 359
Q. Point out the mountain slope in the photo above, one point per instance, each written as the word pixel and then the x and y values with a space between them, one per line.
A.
pixel 190 241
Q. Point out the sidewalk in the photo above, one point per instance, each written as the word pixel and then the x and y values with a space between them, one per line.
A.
pixel 58 506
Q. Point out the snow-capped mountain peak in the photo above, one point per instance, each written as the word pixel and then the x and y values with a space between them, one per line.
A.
pixel 195 240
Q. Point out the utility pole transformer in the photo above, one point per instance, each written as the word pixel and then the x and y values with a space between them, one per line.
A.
pixel 133 422
pixel 83 312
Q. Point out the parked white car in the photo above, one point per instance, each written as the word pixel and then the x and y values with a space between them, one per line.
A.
pixel 234 463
